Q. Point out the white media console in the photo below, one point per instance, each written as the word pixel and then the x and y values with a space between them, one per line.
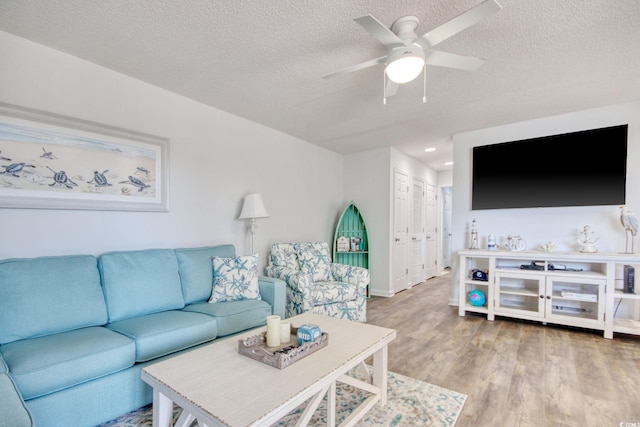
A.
pixel 568 288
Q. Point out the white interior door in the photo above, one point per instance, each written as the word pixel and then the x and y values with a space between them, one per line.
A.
pixel 418 260
pixel 431 232
pixel 400 230
pixel 446 227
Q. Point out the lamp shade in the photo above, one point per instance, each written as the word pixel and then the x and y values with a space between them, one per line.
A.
pixel 404 63
pixel 253 207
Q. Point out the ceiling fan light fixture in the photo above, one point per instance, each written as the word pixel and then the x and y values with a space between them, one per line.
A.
pixel 404 64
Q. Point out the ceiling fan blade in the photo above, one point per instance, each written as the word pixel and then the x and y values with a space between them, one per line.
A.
pixel 379 31
pixel 391 88
pixel 452 60
pixel 459 23
pixel 357 67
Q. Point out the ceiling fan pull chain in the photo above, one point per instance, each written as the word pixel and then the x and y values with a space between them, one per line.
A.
pixel 424 87
pixel 384 87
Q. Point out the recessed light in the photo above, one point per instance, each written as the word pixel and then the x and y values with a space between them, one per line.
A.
pixel 448 163
pixel 430 149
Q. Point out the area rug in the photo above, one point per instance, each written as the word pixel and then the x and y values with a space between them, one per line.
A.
pixel 410 402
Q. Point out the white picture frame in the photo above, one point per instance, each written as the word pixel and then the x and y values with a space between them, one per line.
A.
pixel 342 244
pixel 355 243
pixel 51 161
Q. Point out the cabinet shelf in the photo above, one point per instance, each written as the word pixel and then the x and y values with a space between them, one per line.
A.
pixel 518 305
pixel 477 282
pixel 575 295
pixel 505 290
pixel 622 295
pixel 595 274
pixel 626 326
pixel 575 314
pixel 561 298
pixel 477 309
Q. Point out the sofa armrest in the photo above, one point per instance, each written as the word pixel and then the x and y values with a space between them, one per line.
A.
pixel 13 411
pixel 272 290
pixel 358 276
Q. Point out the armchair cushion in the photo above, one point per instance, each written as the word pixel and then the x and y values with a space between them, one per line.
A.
pixel 315 263
pixel 235 279
pixel 332 292
pixel 284 256
pixel 358 276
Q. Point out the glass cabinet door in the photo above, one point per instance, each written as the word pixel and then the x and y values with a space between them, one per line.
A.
pixel 520 294
pixel 579 299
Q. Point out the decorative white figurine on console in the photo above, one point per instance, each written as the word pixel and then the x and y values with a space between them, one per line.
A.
pixel 515 243
pixel 491 242
pixel 630 223
pixel 587 243
pixel 474 235
pixel 548 247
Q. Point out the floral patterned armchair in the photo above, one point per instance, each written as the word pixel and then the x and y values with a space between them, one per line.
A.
pixel 316 284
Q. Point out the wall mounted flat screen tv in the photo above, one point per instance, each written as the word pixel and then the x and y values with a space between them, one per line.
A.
pixel 586 168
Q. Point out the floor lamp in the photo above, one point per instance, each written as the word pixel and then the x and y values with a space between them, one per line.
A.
pixel 253 208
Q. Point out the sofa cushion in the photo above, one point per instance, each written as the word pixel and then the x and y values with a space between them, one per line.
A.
pixel 196 271
pixel 332 292
pixel 234 316
pixel 54 362
pixel 162 333
pixel 235 279
pixel 47 295
pixel 140 282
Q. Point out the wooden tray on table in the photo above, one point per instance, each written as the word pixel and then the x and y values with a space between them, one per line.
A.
pixel 284 355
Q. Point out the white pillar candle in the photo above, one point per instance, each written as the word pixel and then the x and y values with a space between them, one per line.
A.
pixel 285 332
pixel 273 331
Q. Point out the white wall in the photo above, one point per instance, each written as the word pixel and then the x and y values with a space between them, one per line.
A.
pixel 368 181
pixel 445 178
pixel 541 225
pixel 215 159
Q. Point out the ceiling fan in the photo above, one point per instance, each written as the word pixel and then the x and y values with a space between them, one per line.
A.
pixel 409 54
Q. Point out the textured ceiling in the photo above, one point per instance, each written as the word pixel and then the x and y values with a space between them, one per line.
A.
pixel 264 60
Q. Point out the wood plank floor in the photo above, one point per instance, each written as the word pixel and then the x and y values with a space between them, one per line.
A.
pixel 515 373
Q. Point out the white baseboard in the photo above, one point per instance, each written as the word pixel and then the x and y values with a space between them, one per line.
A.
pixel 386 294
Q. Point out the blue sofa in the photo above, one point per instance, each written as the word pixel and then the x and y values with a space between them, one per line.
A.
pixel 75 331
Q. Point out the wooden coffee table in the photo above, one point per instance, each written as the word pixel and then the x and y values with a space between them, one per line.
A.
pixel 220 387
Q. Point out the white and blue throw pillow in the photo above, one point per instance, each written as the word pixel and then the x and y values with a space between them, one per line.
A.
pixel 235 279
